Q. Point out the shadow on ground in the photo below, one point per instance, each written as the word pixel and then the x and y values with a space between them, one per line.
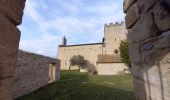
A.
pixel 77 86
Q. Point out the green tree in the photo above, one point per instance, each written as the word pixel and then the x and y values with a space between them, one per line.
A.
pixel 124 52
pixel 78 60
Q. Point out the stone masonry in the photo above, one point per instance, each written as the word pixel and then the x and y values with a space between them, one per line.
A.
pixel 11 12
pixel 148 24
pixel 34 71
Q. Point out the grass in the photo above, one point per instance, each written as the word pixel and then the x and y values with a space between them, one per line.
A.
pixel 82 86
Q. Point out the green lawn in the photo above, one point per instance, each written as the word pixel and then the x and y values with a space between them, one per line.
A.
pixel 78 86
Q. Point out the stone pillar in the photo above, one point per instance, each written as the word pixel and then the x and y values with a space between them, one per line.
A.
pixel 148 24
pixel 11 12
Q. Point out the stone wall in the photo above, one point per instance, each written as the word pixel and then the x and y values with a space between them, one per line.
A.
pixel 148 24
pixel 89 52
pixel 112 69
pixel 11 12
pixel 33 71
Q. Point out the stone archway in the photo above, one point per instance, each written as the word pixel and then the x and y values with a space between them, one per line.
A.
pixel 11 12
pixel 148 24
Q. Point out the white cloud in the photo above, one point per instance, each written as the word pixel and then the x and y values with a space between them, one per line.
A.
pixel 77 20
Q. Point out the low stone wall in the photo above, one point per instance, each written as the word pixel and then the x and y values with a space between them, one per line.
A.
pixel 32 72
pixel 148 24
pixel 111 68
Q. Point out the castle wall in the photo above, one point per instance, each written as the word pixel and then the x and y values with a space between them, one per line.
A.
pixel 111 68
pixel 33 71
pixel 148 24
pixel 89 52
pixel 113 34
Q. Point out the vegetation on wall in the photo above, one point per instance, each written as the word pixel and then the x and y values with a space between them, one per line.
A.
pixel 124 52
pixel 78 61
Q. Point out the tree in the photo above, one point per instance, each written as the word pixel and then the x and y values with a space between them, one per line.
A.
pixel 78 60
pixel 124 52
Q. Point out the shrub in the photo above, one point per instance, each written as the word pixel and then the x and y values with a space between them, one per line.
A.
pixel 124 52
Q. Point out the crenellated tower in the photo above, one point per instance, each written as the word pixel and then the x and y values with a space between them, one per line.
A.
pixel 113 34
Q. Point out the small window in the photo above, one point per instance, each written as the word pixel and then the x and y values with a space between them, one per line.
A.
pixel 115 39
pixel 116 51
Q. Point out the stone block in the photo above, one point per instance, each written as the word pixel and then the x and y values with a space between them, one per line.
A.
pixel 146 5
pixel 139 89
pixel 132 16
pixel 127 4
pixel 9 41
pixel 134 53
pixel 154 57
pixel 6 88
pixel 163 43
pixel 164 34
pixel 13 10
pixel 143 29
pixel 157 77
pixel 161 17
pixel 7 69
pixel 136 71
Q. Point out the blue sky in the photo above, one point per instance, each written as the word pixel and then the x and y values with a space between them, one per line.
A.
pixel 45 22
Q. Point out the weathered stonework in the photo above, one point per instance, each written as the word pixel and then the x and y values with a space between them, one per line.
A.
pixel 34 71
pixel 127 4
pixel 11 12
pixel 162 17
pixel 149 49
pixel 143 29
pixel 132 16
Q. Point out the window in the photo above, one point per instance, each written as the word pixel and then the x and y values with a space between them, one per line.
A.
pixel 116 51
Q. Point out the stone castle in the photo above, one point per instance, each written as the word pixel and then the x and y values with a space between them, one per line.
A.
pixel 113 34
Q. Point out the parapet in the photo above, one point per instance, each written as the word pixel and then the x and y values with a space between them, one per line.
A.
pixel 115 24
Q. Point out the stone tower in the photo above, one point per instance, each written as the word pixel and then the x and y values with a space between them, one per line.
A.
pixel 64 41
pixel 113 34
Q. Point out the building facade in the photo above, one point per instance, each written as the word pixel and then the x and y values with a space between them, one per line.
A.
pixel 113 34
